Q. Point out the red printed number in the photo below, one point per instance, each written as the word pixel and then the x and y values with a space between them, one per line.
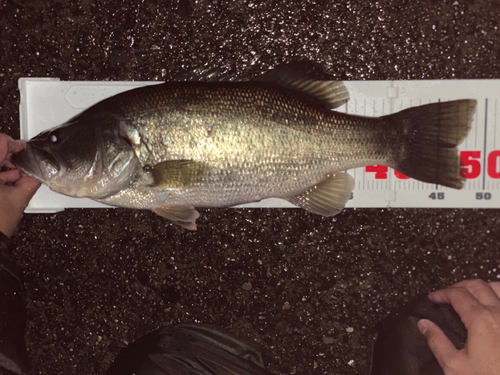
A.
pixel 494 164
pixel 400 175
pixel 470 167
pixel 379 170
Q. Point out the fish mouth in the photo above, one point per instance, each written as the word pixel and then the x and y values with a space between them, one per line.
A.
pixel 36 162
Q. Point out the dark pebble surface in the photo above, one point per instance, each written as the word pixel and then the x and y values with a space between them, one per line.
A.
pixel 307 289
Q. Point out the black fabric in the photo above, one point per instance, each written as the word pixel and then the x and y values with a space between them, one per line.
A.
pixel 6 261
pixel 13 354
pixel 400 348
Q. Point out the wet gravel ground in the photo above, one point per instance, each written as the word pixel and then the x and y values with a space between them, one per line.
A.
pixel 306 288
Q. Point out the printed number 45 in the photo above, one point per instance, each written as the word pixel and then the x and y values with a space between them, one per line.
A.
pixel 439 196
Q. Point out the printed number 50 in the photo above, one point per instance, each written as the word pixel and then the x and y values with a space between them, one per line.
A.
pixel 470 165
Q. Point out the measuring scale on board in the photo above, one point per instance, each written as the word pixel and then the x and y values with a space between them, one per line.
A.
pixel 47 102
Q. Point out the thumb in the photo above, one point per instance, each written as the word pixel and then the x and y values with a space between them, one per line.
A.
pixel 27 186
pixel 495 285
pixel 440 345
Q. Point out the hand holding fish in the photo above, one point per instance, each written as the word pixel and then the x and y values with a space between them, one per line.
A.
pixel 16 189
pixel 478 305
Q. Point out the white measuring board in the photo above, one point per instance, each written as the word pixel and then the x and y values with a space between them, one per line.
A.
pixel 48 102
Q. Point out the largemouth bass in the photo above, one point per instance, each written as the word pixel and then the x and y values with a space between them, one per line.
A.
pixel 180 145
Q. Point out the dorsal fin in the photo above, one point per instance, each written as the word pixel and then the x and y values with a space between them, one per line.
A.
pixel 304 77
pixel 332 94
pixel 206 74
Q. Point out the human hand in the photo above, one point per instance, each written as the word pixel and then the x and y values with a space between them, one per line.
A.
pixel 478 305
pixel 16 189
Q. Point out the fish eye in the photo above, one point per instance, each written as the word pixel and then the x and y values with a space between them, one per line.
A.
pixel 53 136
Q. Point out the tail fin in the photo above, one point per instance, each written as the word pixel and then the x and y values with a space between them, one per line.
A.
pixel 432 133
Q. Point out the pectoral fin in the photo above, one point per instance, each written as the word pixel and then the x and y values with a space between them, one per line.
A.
pixel 184 216
pixel 328 197
pixel 179 173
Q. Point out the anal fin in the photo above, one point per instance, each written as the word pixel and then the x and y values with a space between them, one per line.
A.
pixel 184 216
pixel 326 198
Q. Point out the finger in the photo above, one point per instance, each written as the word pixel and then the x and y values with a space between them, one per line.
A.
pixel 10 177
pixel 10 145
pixel 8 164
pixel 4 147
pixel 481 290
pixel 440 345
pixel 16 145
pixel 28 186
pixel 495 285
pixel 464 303
pixel 27 182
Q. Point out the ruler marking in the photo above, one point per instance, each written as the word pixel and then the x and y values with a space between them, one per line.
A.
pixel 485 139
pixel 467 137
pixel 364 174
pixel 495 127
pixel 475 133
pixel 457 130
pixel 437 150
